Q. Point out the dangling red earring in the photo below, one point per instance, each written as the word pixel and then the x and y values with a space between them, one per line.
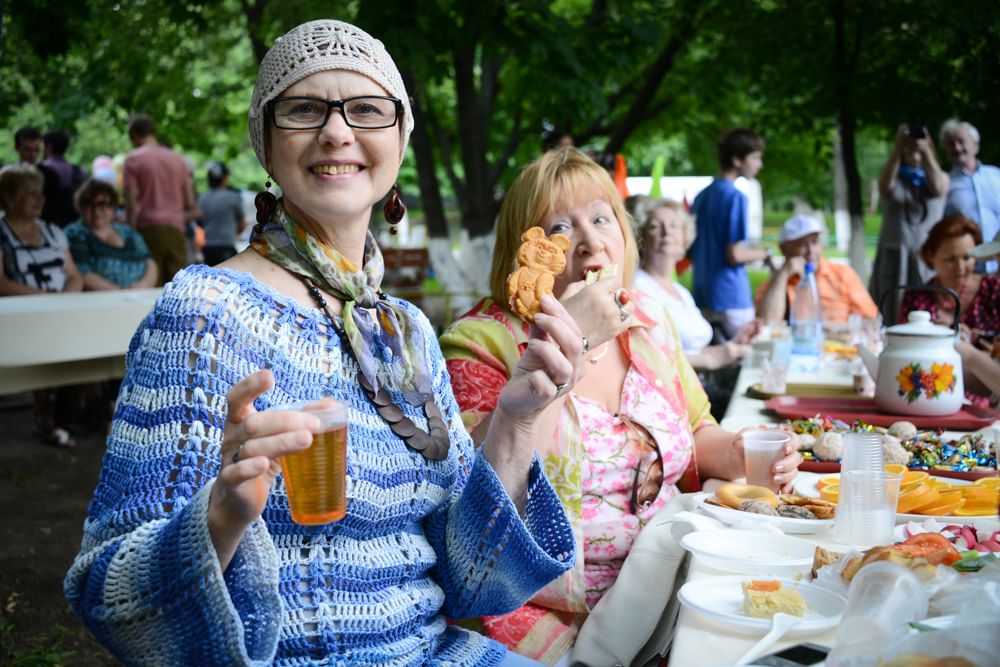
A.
pixel 394 209
pixel 266 204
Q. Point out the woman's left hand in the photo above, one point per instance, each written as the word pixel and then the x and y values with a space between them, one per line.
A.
pixel 549 366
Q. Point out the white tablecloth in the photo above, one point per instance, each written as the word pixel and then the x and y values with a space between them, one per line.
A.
pixel 54 339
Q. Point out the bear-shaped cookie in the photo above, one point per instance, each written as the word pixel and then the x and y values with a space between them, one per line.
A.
pixel 539 260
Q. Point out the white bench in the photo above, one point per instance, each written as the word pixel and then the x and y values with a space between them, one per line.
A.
pixel 57 339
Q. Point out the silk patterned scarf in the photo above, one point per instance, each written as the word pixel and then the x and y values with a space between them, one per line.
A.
pixel 287 244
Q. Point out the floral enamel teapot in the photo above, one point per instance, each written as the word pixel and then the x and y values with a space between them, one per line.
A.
pixel 919 372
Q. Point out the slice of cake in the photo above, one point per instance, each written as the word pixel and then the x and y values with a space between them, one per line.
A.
pixel 763 598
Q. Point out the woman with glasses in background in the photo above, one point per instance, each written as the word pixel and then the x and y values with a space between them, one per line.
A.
pixel 190 554
pixel 635 431
pixel 110 255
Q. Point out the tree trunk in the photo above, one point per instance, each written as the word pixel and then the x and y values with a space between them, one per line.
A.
pixel 844 73
pixel 430 189
pixel 476 202
pixel 254 11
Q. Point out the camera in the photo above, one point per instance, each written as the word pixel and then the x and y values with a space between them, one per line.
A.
pixel 916 130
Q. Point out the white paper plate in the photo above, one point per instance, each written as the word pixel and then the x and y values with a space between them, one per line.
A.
pixel 719 599
pixel 751 552
pixel 733 517
pixel 805 485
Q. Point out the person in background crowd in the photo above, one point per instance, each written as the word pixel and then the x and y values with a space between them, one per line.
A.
pixel 975 187
pixel 103 168
pixel 912 186
pixel 636 429
pixel 665 232
pixel 554 137
pixel 948 251
pixel 221 215
pixel 109 254
pixel 842 293
pixel 190 540
pixel 720 283
pixel 62 180
pixel 28 145
pixel 36 260
pixel 159 197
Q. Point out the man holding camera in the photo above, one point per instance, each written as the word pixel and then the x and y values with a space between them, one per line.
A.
pixel 975 187
pixel 912 188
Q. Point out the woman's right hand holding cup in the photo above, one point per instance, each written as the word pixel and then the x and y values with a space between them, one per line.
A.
pixel 252 445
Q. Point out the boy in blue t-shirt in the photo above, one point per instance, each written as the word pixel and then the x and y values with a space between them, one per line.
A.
pixel 721 285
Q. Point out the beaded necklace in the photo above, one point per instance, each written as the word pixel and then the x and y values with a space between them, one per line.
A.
pixel 434 445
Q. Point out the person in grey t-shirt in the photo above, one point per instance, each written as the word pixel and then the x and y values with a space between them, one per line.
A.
pixel 221 215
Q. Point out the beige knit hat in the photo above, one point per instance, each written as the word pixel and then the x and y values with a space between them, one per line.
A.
pixel 318 46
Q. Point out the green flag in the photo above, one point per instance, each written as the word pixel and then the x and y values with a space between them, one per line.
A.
pixel 659 165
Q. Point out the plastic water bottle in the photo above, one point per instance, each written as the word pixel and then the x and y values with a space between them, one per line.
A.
pixel 806 324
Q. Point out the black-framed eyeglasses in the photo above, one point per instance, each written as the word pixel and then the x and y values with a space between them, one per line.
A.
pixel 99 203
pixel 368 112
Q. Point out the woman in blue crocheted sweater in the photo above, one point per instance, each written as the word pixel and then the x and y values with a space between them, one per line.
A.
pixel 189 555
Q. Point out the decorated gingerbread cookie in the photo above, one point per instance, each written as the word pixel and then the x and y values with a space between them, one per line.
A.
pixel 539 260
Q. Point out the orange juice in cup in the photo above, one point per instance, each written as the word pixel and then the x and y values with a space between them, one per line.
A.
pixel 316 478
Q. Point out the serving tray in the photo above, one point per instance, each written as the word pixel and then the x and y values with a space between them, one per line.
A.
pixel 826 467
pixel 969 418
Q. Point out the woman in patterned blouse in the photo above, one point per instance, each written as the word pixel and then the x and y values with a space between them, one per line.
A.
pixel 635 430
pixel 110 255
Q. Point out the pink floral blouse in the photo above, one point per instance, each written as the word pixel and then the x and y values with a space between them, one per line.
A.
pixel 614 446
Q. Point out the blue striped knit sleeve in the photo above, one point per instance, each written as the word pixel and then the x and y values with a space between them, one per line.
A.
pixel 147 581
pixel 490 559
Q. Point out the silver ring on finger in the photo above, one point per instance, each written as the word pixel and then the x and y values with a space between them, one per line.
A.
pixel 622 314
pixel 586 344
pixel 620 297
pixel 561 387
pixel 237 453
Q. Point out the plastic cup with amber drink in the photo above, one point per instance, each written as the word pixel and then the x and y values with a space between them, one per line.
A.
pixel 316 478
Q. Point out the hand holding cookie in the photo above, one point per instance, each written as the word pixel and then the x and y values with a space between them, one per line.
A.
pixel 539 260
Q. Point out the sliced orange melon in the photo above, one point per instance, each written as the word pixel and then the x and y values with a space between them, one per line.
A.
pixel 830 492
pixel 826 481
pixel 945 509
pixel 919 496
pixel 988 482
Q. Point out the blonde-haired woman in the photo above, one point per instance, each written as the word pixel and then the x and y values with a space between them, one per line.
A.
pixel 634 430
pixel 665 232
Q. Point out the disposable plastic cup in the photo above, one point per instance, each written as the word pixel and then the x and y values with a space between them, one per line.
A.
pixel 757 357
pixel 316 478
pixel 862 451
pixel 882 599
pixel 761 450
pixel 866 508
pixel 774 376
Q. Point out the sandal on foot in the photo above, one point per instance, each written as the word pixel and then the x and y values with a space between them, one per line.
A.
pixel 56 437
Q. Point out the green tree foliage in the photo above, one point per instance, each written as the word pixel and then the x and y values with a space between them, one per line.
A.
pixel 642 77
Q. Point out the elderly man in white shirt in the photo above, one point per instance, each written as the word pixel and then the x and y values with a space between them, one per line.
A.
pixel 975 187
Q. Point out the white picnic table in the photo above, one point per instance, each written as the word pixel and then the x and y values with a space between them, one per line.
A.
pixel 49 340
pixel 697 641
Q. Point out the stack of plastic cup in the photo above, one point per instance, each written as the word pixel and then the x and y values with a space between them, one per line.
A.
pixel 862 451
pixel 882 600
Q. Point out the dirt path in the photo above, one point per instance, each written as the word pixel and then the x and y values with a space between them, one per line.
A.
pixel 44 494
